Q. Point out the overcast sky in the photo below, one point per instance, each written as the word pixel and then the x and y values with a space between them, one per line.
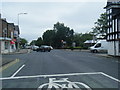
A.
pixel 41 16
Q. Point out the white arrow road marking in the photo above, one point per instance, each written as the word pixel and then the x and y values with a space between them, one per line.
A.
pixel 17 71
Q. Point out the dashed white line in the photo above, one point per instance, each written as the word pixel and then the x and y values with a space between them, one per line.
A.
pixel 17 71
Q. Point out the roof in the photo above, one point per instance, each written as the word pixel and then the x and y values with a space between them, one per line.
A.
pixel 113 0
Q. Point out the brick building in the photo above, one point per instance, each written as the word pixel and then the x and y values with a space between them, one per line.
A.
pixel 8 40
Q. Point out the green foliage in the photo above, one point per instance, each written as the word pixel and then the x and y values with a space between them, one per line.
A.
pixel 48 37
pixel 39 42
pixel 23 41
pixel 101 25
pixel 79 39
pixel 33 42
pixel 61 33
pixel 64 33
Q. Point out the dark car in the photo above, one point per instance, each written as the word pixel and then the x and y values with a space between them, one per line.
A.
pixel 44 48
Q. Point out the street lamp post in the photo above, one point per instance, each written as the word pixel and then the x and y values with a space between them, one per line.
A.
pixel 19 15
pixel 19 28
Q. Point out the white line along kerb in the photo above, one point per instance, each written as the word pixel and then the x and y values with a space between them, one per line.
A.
pixel 17 70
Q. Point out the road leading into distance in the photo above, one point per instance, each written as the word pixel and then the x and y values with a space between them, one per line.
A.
pixel 62 69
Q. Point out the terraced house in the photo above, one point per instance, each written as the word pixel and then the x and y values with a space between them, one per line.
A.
pixel 8 36
pixel 113 32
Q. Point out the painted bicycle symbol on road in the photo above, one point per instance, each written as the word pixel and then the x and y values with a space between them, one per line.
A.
pixel 64 83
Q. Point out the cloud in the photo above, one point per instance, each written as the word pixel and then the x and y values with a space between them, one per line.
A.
pixel 42 16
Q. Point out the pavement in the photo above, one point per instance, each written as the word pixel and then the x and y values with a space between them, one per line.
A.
pixel 7 60
pixel 103 54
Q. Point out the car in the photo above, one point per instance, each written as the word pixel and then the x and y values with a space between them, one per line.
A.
pixel 44 48
pixel 34 48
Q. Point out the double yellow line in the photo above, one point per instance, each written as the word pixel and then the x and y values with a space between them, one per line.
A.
pixel 2 68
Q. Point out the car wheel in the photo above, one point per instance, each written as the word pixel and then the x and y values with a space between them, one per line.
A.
pixel 49 50
pixel 95 51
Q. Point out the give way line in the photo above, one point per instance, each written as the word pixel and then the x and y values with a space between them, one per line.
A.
pixel 54 75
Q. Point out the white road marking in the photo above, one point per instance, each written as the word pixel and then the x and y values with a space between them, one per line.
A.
pixel 44 76
pixel 110 77
pixel 17 71
pixel 54 75
pixel 53 82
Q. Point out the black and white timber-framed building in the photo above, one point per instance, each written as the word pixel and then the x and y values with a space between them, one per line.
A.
pixel 113 32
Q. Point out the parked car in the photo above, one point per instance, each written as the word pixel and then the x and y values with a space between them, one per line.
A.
pixel 28 47
pixel 44 48
pixel 34 48
pixel 100 46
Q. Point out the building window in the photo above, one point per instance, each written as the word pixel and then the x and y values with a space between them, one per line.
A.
pixel 110 30
pixel 107 37
pixel 116 36
pixel 110 10
pixel 113 25
pixel 110 23
pixel 119 25
pixel 110 37
pixel 119 35
pixel 110 16
pixel 119 46
pixel 12 46
pixel 6 45
pixel 116 23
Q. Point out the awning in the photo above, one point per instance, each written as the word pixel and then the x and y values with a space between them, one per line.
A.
pixel 5 38
pixel 12 42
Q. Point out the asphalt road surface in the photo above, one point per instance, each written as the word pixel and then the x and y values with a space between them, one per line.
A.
pixel 62 69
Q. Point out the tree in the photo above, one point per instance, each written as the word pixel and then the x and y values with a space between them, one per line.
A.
pixel 62 33
pixel 54 37
pixel 48 37
pixel 39 42
pixel 23 42
pixel 79 39
pixel 101 25
pixel 33 42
